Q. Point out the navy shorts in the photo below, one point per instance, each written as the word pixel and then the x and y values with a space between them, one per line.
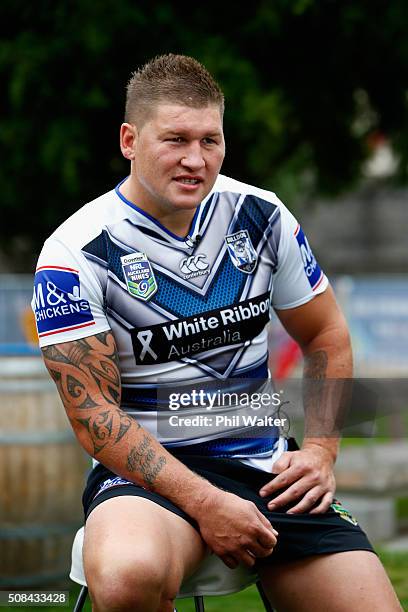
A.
pixel 300 535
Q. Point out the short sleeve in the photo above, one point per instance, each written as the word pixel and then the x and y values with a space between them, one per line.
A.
pixel 298 276
pixel 68 301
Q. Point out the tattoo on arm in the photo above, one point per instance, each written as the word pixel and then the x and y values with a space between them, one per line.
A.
pixel 322 397
pixel 316 365
pixel 143 459
pixel 85 369
pixel 87 376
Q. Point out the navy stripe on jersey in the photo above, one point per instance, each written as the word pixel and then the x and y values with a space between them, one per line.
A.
pixel 98 247
pixel 146 398
pixel 204 221
pixel 254 216
pixel 229 447
pixel 149 232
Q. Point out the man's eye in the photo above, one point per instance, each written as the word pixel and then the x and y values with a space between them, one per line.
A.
pixel 176 139
pixel 209 141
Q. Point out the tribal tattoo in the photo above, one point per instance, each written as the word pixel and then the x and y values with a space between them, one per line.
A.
pixel 87 376
pixel 86 371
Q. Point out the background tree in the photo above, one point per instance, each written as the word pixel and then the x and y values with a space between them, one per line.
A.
pixel 307 81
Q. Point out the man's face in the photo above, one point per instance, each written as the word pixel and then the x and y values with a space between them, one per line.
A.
pixel 177 155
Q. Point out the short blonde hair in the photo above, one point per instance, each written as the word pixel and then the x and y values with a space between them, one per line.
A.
pixel 170 78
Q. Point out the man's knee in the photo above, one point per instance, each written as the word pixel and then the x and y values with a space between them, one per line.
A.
pixel 140 583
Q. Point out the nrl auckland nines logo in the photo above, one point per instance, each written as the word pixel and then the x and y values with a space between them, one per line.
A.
pixel 139 276
pixel 194 266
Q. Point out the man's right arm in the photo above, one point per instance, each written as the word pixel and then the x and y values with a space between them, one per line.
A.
pixel 87 376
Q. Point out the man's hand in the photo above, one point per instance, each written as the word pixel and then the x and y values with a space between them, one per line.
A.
pixel 235 529
pixel 308 474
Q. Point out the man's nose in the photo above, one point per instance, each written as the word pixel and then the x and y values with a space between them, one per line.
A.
pixel 193 157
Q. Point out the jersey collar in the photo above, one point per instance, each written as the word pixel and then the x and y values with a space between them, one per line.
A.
pixel 153 228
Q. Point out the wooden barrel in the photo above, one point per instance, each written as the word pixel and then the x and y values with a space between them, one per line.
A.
pixel 42 474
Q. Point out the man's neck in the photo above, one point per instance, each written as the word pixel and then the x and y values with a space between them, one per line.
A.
pixel 178 222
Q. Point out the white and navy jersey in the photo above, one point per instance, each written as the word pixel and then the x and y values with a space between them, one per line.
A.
pixel 191 309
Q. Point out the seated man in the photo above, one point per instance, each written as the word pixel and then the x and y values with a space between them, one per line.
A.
pixel 169 279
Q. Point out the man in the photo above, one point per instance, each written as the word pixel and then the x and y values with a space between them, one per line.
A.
pixel 142 290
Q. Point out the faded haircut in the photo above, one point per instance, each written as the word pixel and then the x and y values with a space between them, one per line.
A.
pixel 170 78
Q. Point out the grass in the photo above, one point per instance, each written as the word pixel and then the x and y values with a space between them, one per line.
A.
pixel 396 565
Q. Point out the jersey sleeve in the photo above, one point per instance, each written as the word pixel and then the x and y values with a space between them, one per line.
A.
pixel 68 301
pixel 298 276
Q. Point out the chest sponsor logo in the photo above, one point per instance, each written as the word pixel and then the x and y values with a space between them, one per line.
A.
pixel 240 249
pixel 57 301
pixel 194 266
pixel 312 268
pixel 207 331
pixel 139 276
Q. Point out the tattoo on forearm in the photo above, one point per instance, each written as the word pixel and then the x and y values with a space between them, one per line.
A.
pixel 143 459
pixel 316 365
pixel 101 427
pixel 315 391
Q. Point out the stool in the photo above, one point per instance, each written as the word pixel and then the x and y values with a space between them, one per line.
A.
pixel 213 577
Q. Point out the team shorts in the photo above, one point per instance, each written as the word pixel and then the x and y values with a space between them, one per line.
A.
pixel 300 535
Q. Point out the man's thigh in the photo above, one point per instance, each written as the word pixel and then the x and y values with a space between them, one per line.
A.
pixel 340 582
pixel 131 537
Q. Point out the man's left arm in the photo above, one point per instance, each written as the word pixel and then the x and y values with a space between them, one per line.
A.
pixel 307 474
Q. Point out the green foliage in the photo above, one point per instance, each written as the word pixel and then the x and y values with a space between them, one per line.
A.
pixel 293 72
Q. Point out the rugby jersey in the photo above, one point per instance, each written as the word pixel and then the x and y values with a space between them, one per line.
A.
pixel 186 313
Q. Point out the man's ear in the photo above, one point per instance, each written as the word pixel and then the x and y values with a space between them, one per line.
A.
pixel 128 139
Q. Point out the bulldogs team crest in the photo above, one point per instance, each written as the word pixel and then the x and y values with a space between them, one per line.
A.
pixel 139 276
pixel 241 251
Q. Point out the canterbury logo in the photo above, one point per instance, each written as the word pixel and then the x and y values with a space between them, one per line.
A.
pixel 195 263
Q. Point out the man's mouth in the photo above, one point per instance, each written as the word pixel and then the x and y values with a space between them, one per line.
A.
pixel 186 180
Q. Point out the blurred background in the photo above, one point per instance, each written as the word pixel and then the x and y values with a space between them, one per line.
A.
pixel 316 110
